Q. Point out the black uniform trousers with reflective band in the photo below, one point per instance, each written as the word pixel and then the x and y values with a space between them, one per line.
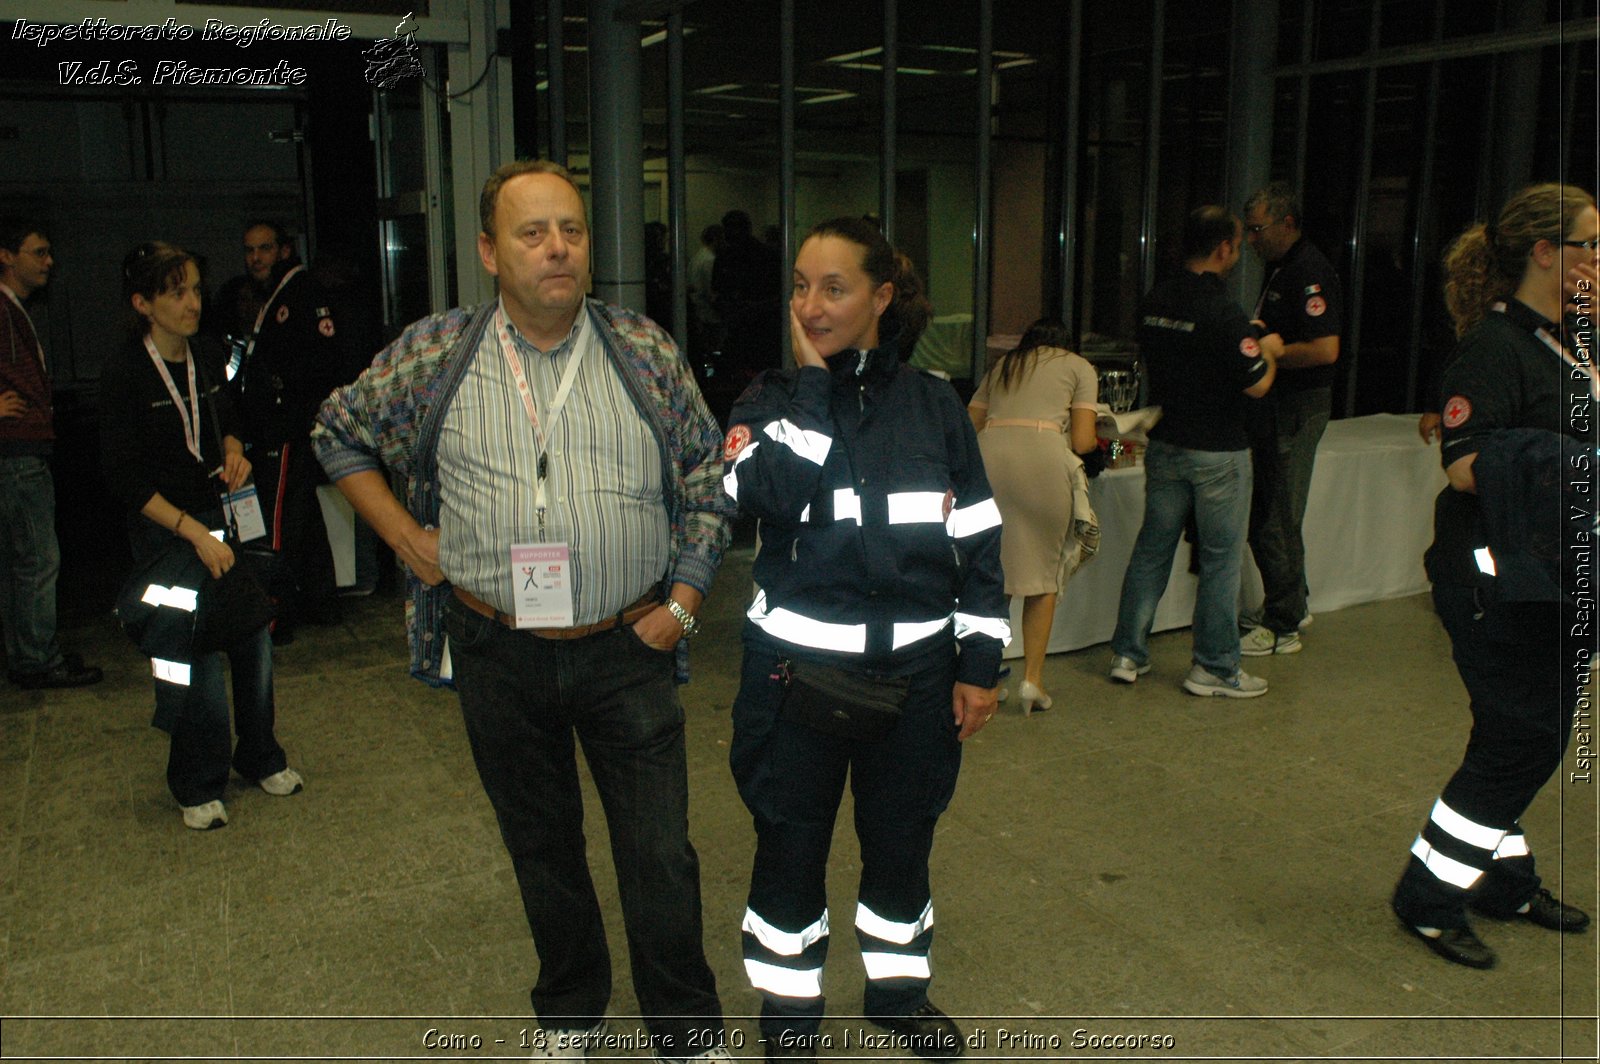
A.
pixel 1523 695
pixel 792 778
pixel 286 478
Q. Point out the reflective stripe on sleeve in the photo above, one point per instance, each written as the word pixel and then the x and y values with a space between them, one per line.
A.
pixel 1445 868
pixel 806 631
pixel 730 479
pixel 995 627
pixel 908 632
pixel 784 943
pixel 784 982
pixel 895 966
pixel 173 672
pixel 1458 826
pixel 812 446
pixel 916 507
pixel 870 923
pixel 970 520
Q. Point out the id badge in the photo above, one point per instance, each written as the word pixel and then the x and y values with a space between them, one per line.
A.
pixel 245 506
pixel 541 583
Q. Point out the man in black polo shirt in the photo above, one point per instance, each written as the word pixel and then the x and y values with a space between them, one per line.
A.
pixel 1206 363
pixel 1301 301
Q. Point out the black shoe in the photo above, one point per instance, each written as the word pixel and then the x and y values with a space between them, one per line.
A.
pixel 1548 911
pixel 1457 944
pixel 72 672
pixel 928 1032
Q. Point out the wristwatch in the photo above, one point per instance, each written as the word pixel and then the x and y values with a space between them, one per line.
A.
pixel 685 618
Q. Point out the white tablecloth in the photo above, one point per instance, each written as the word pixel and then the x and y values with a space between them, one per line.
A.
pixel 1368 521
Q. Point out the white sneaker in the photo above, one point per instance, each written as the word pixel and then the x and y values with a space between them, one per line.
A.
pixel 715 1054
pixel 205 816
pixel 566 1043
pixel 1124 670
pixel 283 783
pixel 1305 622
pixel 1261 641
pixel 1240 685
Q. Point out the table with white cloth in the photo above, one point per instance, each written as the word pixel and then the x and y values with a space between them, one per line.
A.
pixel 1368 520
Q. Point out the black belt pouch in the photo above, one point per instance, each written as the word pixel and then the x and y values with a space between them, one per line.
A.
pixel 842 702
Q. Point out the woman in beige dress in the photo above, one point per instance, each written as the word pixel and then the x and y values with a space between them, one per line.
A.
pixel 1034 412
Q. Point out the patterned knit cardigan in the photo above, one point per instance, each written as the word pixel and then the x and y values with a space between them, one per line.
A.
pixel 390 419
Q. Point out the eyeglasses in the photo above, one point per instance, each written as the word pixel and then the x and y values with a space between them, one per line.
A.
pixel 1257 230
pixel 1587 245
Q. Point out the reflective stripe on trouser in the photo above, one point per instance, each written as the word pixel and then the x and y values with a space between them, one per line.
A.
pixel 1512 657
pixel 792 779
pixel 786 964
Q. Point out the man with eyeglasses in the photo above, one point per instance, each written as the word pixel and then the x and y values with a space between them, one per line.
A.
pixel 1302 302
pixel 30 557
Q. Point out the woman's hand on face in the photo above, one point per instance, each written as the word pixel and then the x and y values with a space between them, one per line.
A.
pixel 214 554
pixel 805 352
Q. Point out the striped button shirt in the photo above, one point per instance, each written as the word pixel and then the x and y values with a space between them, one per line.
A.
pixel 603 492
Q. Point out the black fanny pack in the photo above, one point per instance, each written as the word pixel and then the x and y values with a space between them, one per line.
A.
pixel 842 702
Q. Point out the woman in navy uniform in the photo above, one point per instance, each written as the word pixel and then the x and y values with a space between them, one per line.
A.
pixel 880 562
pixel 1516 367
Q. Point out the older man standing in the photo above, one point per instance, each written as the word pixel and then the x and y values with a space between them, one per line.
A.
pixel 1301 301
pixel 563 518
pixel 30 557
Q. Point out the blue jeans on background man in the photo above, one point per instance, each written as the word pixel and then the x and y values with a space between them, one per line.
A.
pixel 1216 485
pixel 30 559
pixel 524 699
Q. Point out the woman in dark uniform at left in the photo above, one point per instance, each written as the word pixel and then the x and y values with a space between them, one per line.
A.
pixel 1516 368
pixel 159 442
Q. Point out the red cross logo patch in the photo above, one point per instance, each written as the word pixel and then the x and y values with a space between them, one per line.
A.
pixel 1456 412
pixel 738 439
pixel 1316 306
pixel 1249 348
pixel 325 327
pixel 282 315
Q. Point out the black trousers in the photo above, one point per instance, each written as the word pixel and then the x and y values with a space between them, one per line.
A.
pixel 286 478
pixel 1524 691
pixel 528 703
pixel 792 779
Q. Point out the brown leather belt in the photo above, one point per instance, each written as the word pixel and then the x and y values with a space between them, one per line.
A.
pixel 627 615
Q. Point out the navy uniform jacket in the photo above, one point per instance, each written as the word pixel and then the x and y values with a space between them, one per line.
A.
pixel 880 538
pixel 1302 300
pixel 298 359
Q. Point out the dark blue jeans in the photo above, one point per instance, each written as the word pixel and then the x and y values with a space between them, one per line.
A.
pixel 524 699
pixel 29 562
pixel 1509 656
pixel 196 716
pixel 792 779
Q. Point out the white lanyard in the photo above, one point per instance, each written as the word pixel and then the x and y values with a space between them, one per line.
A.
pixel 37 346
pixel 568 376
pixel 261 315
pixel 1560 349
pixel 191 416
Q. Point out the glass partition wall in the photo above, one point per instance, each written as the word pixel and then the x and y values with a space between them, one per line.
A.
pixel 1102 125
